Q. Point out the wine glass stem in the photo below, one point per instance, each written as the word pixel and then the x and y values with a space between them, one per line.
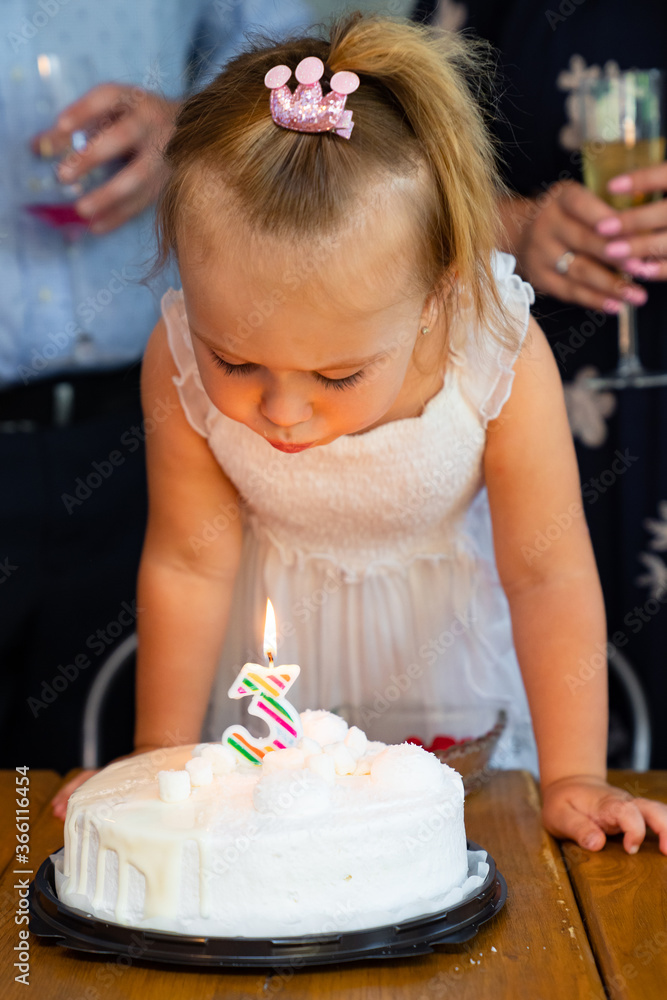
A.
pixel 628 359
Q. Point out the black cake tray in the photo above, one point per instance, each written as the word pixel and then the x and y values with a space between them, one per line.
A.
pixel 54 921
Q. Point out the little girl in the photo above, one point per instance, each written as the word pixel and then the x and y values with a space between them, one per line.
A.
pixel 357 394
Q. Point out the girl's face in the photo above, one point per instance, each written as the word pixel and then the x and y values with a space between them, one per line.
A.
pixel 303 349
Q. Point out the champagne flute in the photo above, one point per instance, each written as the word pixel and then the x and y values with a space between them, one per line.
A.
pixel 623 129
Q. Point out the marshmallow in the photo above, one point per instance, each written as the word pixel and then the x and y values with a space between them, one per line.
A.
pixel 363 766
pixel 200 771
pixel 322 765
pixel 356 742
pixel 174 786
pixel 289 759
pixel 324 727
pixel 222 758
pixel 343 760
pixel 309 746
pixel 199 749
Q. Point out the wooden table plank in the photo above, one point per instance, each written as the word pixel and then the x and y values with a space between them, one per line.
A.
pixel 623 900
pixel 536 941
pixel 42 787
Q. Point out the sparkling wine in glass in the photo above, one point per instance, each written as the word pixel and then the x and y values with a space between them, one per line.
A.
pixel 54 82
pixel 623 129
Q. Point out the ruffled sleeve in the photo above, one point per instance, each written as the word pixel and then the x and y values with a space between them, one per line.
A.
pixel 485 365
pixel 198 408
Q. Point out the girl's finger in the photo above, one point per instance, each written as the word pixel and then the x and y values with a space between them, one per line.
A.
pixel 61 798
pixel 655 815
pixel 569 823
pixel 646 179
pixel 623 816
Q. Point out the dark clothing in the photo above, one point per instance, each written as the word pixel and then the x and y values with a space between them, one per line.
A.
pixel 71 530
pixel 536 44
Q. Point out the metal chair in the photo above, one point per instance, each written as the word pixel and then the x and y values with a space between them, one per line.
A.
pixel 641 721
pixel 123 657
pixel 116 663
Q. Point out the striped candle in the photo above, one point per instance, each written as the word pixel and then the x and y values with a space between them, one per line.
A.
pixel 266 687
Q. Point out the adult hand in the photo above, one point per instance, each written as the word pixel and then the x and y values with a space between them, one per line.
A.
pixel 585 809
pixel 122 123
pixel 563 221
pixel 640 234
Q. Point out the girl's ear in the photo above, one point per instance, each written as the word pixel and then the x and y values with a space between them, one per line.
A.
pixel 438 302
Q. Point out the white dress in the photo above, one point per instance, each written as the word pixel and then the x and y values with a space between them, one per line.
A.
pixel 376 551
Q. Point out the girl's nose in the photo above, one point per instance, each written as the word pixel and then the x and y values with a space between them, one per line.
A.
pixel 285 408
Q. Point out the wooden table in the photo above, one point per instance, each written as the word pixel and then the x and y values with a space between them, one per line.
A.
pixel 576 926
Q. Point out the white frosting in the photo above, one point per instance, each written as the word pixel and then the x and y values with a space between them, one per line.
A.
pixel 408 768
pixel 323 765
pixel 268 850
pixel 290 759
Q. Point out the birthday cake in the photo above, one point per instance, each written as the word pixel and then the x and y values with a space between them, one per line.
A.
pixel 331 834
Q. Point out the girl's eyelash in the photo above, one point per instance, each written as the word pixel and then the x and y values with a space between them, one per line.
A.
pixel 331 383
pixel 230 369
pixel 339 383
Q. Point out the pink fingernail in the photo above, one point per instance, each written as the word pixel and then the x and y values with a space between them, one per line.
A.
pixel 609 227
pixel 635 296
pixel 620 185
pixel 618 249
pixel 633 849
pixel 612 306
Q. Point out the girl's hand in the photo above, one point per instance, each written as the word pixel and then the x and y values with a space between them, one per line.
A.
pixel 585 808
pixel 61 798
pixel 122 122
pixel 568 218
pixel 640 234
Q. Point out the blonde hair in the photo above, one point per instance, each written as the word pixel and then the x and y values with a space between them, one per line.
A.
pixel 413 111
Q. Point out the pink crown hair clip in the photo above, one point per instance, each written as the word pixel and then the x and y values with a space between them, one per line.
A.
pixel 307 109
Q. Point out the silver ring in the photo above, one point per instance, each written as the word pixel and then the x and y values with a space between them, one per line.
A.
pixel 564 262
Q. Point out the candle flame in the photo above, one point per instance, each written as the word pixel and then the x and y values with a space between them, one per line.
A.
pixel 270 641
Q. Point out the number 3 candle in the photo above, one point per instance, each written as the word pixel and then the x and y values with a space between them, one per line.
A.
pixel 267 686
